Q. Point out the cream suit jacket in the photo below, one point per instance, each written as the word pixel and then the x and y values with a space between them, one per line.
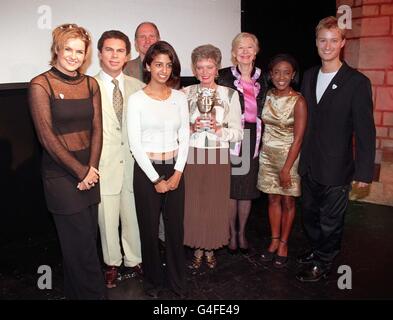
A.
pixel 116 164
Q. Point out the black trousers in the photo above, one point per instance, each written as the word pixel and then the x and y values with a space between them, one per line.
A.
pixel 83 278
pixel 149 203
pixel 323 217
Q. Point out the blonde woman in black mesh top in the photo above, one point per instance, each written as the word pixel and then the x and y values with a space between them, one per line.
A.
pixel 66 111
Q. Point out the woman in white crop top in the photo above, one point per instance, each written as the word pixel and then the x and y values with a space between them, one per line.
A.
pixel 158 133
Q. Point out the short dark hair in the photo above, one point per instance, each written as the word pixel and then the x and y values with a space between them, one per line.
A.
pixel 162 47
pixel 114 34
pixel 280 57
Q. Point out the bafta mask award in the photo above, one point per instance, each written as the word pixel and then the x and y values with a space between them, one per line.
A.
pixel 205 103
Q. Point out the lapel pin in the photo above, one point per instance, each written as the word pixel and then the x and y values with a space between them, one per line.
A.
pixel 334 86
pixel 61 96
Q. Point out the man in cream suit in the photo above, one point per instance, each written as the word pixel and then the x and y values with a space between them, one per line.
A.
pixel 116 164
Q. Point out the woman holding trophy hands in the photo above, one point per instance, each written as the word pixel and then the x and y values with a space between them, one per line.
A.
pixel 215 121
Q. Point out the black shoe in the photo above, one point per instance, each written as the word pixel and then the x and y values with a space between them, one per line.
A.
pixel 232 252
pixel 280 261
pixel 306 258
pixel 161 244
pixel 313 273
pixel 267 256
pixel 244 251
pixel 131 272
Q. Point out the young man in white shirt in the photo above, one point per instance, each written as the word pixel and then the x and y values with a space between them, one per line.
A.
pixel 340 107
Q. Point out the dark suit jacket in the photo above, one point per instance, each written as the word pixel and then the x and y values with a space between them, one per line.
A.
pixel 134 68
pixel 345 110
pixel 227 79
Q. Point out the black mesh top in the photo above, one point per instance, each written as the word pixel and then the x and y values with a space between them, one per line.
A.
pixel 66 112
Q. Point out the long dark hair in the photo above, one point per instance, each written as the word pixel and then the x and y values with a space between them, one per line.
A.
pixel 162 47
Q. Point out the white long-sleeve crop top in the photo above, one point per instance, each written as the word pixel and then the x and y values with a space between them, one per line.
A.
pixel 158 126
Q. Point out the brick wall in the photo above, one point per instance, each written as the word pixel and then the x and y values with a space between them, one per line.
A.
pixel 369 49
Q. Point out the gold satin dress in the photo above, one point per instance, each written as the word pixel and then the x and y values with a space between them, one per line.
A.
pixel 278 118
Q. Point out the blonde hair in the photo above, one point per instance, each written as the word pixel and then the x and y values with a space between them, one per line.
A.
pixel 235 43
pixel 329 23
pixel 206 51
pixel 63 33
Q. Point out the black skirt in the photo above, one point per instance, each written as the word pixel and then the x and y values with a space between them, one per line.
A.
pixel 244 173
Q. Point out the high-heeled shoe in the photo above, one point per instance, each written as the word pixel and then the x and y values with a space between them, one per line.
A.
pixel 267 255
pixel 196 262
pixel 280 261
pixel 211 261
pixel 244 251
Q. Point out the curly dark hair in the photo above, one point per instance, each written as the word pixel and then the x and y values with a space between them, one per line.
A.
pixel 280 57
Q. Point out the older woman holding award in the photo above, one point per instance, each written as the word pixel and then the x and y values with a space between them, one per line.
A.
pixel 215 121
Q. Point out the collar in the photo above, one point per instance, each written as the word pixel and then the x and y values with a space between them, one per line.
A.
pixel 256 73
pixel 107 78
pixel 64 76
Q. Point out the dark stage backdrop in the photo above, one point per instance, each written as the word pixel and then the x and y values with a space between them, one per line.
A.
pixel 280 27
pixel 286 27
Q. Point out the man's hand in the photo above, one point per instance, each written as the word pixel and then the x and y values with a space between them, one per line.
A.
pixel 360 185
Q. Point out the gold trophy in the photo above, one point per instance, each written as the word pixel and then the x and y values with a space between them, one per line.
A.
pixel 205 102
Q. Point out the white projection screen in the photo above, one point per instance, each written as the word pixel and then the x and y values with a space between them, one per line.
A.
pixel 26 25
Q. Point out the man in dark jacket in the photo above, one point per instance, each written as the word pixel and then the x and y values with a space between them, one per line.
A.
pixel 340 105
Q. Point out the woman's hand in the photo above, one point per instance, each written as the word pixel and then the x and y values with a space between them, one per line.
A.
pixel 173 181
pixel 215 126
pixel 90 180
pixel 285 179
pixel 162 186
pixel 197 125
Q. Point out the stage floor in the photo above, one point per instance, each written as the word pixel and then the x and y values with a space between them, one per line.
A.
pixel 367 249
